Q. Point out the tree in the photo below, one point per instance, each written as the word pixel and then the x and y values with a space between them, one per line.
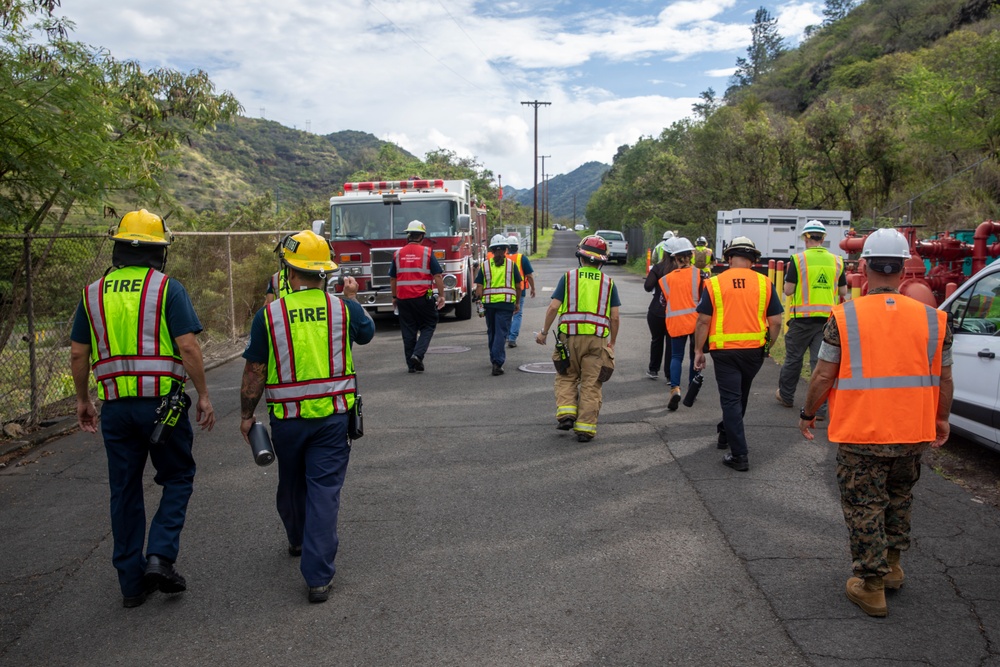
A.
pixel 709 103
pixel 765 47
pixel 77 125
pixel 836 10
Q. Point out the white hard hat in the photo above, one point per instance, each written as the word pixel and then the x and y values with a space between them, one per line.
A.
pixel 416 227
pixel 512 240
pixel 681 246
pixel 498 241
pixel 887 243
pixel 742 246
pixel 668 235
pixel 813 227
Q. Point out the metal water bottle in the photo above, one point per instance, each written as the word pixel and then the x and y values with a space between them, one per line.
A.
pixel 260 445
pixel 693 389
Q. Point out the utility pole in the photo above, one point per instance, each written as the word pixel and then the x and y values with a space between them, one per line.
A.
pixel 534 224
pixel 500 198
pixel 544 191
pixel 546 218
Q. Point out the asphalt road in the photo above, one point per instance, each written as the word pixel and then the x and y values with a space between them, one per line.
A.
pixel 475 533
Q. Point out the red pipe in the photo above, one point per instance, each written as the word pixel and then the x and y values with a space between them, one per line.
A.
pixel 979 248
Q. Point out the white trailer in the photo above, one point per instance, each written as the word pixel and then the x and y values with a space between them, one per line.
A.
pixel 777 232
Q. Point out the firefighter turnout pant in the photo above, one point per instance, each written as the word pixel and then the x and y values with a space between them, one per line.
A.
pixel 312 463
pixel 126 424
pixel 578 393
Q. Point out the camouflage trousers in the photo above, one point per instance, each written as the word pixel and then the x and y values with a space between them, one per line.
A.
pixel 876 493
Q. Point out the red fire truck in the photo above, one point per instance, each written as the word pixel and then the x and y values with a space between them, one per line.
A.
pixel 366 230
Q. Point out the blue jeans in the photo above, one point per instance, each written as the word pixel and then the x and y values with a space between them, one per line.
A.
pixel 312 463
pixel 677 358
pixel 515 323
pixel 126 425
pixel 497 329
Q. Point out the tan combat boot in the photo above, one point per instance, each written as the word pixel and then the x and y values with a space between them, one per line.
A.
pixel 869 594
pixel 894 579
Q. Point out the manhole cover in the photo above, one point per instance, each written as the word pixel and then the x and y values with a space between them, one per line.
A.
pixel 545 367
pixel 447 349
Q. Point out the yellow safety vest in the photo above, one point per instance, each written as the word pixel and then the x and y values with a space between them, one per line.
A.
pixel 498 286
pixel 586 305
pixel 132 353
pixel 310 372
pixel 816 291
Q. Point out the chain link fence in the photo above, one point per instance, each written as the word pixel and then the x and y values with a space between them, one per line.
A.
pixel 41 282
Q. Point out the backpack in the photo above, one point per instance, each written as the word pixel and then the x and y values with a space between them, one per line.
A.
pixel 701 258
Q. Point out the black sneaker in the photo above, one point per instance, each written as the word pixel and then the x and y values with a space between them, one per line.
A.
pixel 417 364
pixel 161 573
pixel 294 551
pixel 512 343
pixel 497 369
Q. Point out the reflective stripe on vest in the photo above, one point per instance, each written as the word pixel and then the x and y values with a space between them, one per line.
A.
pixel 131 347
pixel 498 286
pixel 516 258
pixel 279 284
pixel 586 306
pixel 310 371
pixel 681 317
pixel 738 315
pixel 808 299
pixel 890 357
pixel 413 271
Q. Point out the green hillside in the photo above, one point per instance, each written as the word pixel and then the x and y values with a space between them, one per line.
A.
pixel 251 157
pixel 566 191
pixel 892 110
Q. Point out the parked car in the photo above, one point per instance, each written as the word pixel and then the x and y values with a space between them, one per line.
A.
pixel 579 228
pixel 617 245
pixel 975 313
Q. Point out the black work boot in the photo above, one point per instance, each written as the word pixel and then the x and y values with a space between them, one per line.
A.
pixel 161 572
pixel 740 463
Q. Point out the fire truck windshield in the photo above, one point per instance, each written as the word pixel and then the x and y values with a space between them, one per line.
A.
pixel 375 220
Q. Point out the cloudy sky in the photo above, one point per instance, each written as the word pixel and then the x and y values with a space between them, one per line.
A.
pixel 452 74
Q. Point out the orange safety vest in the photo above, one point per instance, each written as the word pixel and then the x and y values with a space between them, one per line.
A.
pixel 681 291
pixel 739 306
pixel 890 359
pixel 413 271
pixel 516 258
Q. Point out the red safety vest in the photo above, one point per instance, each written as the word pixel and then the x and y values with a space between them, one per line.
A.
pixel 413 271
pixel 889 382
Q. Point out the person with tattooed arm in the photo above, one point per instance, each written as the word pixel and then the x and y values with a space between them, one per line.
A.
pixel 299 359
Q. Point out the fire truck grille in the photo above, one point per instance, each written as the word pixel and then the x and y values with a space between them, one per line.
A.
pixel 381 261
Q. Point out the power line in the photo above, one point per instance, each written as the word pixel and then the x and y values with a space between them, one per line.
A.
pixel 421 47
pixel 486 58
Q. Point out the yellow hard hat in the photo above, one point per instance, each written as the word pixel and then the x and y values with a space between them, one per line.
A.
pixel 307 252
pixel 142 228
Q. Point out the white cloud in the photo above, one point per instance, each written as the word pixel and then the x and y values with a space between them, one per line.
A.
pixel 428 75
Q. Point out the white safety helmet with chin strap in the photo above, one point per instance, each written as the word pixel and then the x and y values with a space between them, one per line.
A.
pixel 813 227
pixel 498 241
pixel 885 251
pixel 513 242
pixel 416 227
pixel 681 246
